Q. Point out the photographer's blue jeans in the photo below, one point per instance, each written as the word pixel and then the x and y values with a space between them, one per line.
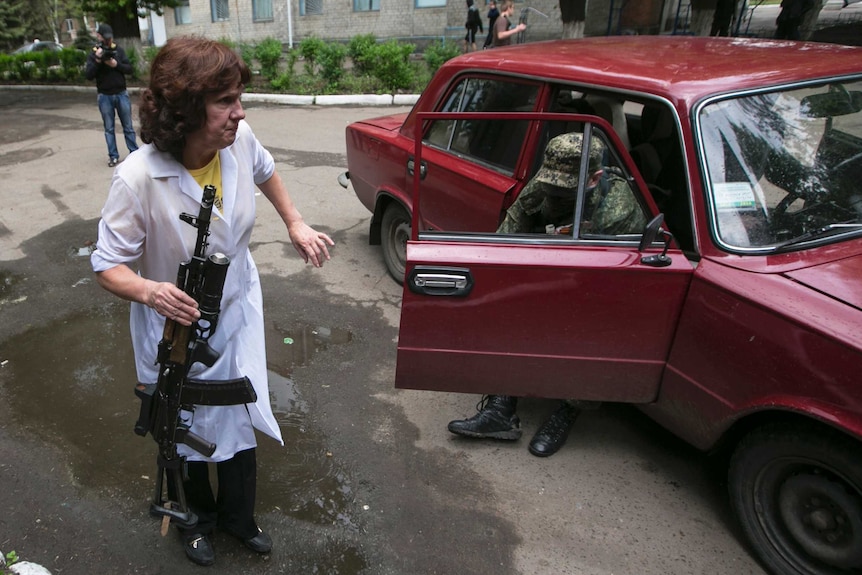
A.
pixel 123 106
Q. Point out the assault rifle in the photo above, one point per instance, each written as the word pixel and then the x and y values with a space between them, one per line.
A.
pixel 167 406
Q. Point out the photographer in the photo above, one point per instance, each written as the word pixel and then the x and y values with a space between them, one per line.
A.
pixel 108 65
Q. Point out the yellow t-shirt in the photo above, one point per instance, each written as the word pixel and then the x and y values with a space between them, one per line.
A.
pixel 211 175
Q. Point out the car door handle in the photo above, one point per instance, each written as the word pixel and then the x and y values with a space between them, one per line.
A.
pixel 423 168
pixel 440 281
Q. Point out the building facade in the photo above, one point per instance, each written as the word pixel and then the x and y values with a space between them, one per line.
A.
pixel 291 21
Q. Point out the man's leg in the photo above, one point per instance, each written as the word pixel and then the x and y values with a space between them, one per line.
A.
pixel 552 435
pixel 496 419
pixel 124 110
pixel 106 108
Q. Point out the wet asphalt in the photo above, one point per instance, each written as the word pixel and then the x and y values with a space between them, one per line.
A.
pixel 370 481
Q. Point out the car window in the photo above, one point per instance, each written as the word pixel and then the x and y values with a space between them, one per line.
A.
pixel 784 167
pixel 493 143
pixel 565 189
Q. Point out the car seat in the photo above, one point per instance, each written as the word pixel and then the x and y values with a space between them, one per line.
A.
pixel 660 161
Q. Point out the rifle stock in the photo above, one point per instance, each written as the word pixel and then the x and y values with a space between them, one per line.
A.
pixel 163 402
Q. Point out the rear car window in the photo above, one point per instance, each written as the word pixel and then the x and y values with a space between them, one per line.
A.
pixel 494 143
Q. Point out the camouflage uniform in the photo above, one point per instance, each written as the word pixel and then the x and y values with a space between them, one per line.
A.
pixel 550 196
pixel 536 207
pixel 615 210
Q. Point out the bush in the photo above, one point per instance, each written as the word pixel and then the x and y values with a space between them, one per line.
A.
pixel 392 65
pixel 331 59
pixel 72 63
pixel 310 50
pixel 246 52
pixel 284 80
pixel 150 53
pixel 377 67
pixel 135 61
pixel 439 52
pixel 361 50
pixel 268 53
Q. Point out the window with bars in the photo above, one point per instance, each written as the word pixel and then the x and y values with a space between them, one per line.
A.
pixel 261 10
pixel 310 7
pixel 182 13
pixel 220 10
pixel 366 5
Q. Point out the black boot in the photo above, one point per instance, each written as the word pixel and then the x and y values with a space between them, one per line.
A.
pixel 496 419
pixel 551 436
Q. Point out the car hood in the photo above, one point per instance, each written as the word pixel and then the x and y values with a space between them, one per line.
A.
pixel 837 279
pixel 390 123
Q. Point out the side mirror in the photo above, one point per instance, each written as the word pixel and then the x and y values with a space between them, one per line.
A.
pixel 652 232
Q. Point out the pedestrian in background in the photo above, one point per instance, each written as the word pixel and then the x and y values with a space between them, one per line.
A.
pixel 108 65
pixel 723 16
pixel 473 26
pixel 493 14
pixel 503 30
pixel 790 18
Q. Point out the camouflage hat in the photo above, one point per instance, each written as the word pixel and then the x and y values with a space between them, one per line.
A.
pixel 563 160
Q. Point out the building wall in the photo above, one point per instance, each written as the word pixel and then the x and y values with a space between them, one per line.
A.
pixel 400 19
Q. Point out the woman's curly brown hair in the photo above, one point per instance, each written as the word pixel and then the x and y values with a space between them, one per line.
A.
pixel 186 70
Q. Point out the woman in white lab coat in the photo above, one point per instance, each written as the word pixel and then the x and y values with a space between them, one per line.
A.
pixel 193 125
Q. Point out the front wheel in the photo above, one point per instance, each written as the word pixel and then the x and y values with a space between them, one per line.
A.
pixel 396 232
pixel 797 493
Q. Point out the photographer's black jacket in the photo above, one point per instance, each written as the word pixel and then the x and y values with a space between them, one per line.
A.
pixel 110 81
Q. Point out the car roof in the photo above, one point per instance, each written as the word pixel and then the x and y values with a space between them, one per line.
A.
pixel 32 46
pixel 679 68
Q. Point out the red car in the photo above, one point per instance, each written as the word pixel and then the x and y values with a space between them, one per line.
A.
pixel 728 307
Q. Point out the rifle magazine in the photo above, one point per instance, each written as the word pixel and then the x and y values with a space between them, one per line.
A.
pixel 218 392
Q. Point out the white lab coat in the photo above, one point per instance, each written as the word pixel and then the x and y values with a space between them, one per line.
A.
pixel 140 227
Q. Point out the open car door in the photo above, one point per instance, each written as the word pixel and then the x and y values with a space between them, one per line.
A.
pixel 578 313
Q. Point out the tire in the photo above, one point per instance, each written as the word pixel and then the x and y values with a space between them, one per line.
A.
pixel 797 493
pixel 395 233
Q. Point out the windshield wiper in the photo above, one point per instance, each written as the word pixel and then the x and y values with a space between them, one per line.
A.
pixel 818 233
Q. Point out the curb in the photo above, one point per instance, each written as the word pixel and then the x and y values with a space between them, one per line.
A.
pixel 281 99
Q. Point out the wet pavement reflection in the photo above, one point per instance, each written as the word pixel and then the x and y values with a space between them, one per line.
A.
pixel 71 383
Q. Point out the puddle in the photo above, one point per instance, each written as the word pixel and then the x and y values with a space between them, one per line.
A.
pixel 8 282
pixel 72 382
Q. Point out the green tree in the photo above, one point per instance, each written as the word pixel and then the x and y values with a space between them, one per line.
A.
pixel 13 28
pixel 47 17
pixel 123 15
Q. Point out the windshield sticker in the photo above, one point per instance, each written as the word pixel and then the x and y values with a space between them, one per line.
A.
pixel 737 196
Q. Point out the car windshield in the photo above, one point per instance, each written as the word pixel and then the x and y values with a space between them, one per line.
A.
pixel 784 167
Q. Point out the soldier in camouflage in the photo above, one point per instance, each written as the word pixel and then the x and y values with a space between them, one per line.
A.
pixel 549 200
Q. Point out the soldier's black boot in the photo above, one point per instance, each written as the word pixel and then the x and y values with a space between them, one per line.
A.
pixel 551 436
pixel 496 419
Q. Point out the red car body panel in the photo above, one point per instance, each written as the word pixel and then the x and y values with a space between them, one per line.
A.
pixel 491 334
pixel 783 346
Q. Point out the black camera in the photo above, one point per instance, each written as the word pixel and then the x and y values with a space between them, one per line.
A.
pixel 109 51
